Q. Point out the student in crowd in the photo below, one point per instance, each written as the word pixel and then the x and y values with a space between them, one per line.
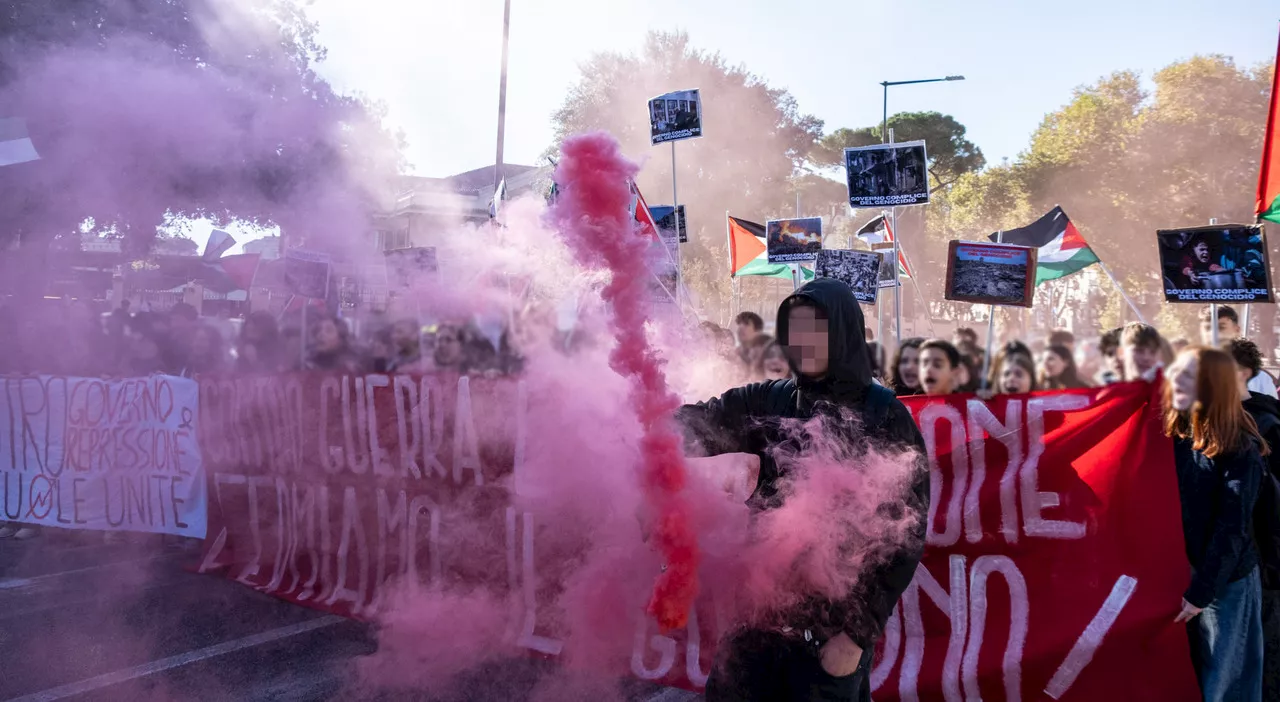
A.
pixel 1265 411
pixel 1218 457
pixel 329 347
pixel 1139 351
pixel 822 647
pixel 1179 344
pixel 1010 350
pixel 258 350
pixel 450 346
pixel 1228 329
pixel 1112 365
pixel 1016 375
pixel 1063 338
pixel 940 367
pixel 904 376
pixel 207 353
pixel 405 339
pixel 379 351
pixel 1058 370
pixel 751 337
pixel 773 363
pixel 875 353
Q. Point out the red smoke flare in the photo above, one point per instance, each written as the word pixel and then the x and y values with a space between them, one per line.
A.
pixel 591 212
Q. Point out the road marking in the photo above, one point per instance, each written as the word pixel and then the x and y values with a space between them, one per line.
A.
pixel 16 583
pixel 140 671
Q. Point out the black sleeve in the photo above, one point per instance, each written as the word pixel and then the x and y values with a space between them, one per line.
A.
pixel 863 615
pixel 721 424
pixel 1239 475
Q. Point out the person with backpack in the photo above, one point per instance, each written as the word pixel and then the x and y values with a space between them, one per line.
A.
pixel 822 649
pixel 1265 411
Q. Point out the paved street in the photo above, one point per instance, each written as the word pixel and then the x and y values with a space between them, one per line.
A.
pixel 82 618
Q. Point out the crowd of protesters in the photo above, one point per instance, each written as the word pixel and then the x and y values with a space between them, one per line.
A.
pixel 74 338
pixel 1220 410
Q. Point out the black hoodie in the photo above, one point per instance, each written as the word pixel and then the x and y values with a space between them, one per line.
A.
pixel 1265 411
pixel 746 420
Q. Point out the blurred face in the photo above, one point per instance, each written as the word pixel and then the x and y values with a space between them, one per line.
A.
pixel 1201 252
pixel 1053 364
pixel 1139 360
pixel 448 347
pixel 327 337
pixel 746 333
pixel 938 376
pixel 808 342
pixel 909 367
pixel 404 335
pixel 1182 381
pixel 1227 330
pixel 776 367
pixel 1014 379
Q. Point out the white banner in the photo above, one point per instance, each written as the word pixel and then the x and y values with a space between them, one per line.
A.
pixel 112 455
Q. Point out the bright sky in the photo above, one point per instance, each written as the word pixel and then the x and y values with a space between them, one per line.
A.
pixel 436 62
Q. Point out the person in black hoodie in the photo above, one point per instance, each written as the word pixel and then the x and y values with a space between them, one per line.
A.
pixel 1265 411
pixel 1218 457
pixel 825 651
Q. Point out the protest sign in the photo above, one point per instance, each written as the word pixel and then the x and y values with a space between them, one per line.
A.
pixel 671 222
pixel 306 273
pixel 886 175
pixel 1054 564
pixel 112 455
pixel 991 274
pixel 792 240
pixel 860 270
pixel 1215 264
pixel 889 277
pixel 675 116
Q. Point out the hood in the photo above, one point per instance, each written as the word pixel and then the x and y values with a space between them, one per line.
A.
pixel 850 369
pixel 1257 403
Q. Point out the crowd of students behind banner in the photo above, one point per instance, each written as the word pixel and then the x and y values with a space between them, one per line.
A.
pixel 74 338
pixel 1220 408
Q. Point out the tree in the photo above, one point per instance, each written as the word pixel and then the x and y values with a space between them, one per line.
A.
pixel 181 107
pixel 950 152
pixel 754 140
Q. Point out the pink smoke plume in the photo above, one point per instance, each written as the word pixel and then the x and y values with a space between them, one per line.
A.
pixel 592 214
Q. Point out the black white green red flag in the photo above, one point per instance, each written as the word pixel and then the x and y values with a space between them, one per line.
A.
pixel 1062 250
pixel 1268 203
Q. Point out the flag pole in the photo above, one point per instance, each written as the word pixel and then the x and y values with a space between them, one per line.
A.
pixel 897 289
pixel 675 214
pixel 991 332
pixel 502 94
pixel 1123 294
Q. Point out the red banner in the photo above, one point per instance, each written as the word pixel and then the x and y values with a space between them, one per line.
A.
pixel 1054 570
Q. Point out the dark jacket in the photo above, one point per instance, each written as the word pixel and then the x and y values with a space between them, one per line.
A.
pixel 748 420
pixel 1265 411
pixel 1217 497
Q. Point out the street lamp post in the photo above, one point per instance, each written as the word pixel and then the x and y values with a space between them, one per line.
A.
pixel 893 211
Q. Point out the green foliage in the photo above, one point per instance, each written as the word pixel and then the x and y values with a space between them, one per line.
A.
pixel 951 154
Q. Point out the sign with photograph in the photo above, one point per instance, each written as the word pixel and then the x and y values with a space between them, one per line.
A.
pixel 887 277
pixel 860 270
pixel 675 116
pixel 791 240
pixel 405 265
pixel 306 273
pixel 885 175
pixel 1219 263
pixel 671 222
pixel 991 274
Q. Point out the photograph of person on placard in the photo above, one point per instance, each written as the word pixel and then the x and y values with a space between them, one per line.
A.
pixel 991 274
pixel 888 276
pixel 887 174
pixel 675 116
pixel 1215 263
pixel 860 270
pixel 792 240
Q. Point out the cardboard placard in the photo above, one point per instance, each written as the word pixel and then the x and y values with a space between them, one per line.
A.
pixel 991 274
pixel 792 240
pixel 671 222
pixel 675 116
pixel 306 273
pixel 886 175
pixel 1219 263
pixel 860 270
pixel 888 279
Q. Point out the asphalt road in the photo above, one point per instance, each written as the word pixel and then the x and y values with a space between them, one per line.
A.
pixel 87 618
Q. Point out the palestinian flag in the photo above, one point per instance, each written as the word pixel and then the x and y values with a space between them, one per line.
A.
pixel 1268 204
pixel 749 256
pixel 877 233
pixel 1062 250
